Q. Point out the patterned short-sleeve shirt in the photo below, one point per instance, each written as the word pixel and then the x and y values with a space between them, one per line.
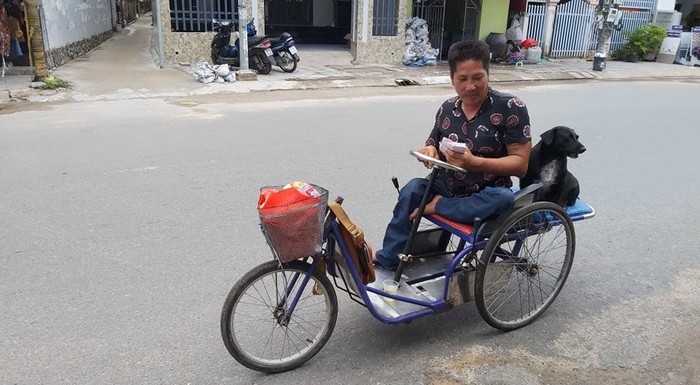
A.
pixel 501 121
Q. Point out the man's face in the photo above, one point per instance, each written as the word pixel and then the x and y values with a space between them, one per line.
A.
pixel 471 81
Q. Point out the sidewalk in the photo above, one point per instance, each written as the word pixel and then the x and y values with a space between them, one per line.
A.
pixel 124 68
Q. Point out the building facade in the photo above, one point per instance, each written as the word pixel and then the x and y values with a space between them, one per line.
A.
pixel 373 30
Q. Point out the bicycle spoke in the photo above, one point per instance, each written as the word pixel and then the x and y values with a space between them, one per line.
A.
pixel 536 247
pixel 275 321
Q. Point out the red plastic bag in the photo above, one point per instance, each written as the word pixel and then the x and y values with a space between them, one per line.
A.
pixel 292 218
pixel 274 201
pixel 529 43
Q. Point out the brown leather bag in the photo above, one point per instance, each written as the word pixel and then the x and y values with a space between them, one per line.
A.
pixel 360 251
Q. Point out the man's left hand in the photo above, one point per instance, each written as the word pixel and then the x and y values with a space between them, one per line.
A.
pixel 429 208
pixel 465 160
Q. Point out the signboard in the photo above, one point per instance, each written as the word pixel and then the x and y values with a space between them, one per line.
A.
pixel 669 47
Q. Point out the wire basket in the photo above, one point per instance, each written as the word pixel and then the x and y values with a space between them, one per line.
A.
pixel 295 230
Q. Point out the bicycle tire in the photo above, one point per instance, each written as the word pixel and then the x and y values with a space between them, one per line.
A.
pixel 498 262
pixel 233 336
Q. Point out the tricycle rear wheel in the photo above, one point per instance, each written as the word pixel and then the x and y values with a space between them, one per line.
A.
pixel 256 327
pixel 524 265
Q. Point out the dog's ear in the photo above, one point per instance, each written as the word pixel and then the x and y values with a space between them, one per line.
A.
pixel 548 136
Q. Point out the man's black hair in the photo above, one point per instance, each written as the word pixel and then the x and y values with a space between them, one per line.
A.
pixel 468 50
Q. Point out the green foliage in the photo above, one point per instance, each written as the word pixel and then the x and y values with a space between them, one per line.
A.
pixel 647 38
pixel 51 82
pixel 624 53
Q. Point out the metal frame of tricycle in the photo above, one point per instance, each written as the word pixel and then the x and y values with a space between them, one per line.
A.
pixel 469 244
pixel 473 238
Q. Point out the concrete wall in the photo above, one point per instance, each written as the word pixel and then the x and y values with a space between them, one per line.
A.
pixel 74 27
pixel 369 49
pixel 494 17
pixel 70 21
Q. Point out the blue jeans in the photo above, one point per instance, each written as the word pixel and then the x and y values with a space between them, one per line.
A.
pixel 484 204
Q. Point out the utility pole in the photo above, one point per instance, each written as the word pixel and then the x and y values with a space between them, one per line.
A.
pixel 157 24
pixel 607 18
pixel 244 72
pixel 36 40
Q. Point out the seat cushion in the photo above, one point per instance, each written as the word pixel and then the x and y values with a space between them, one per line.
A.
pixel 580 210
pixel 462 230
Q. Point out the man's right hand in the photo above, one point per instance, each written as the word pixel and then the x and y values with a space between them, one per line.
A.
pixel 430 151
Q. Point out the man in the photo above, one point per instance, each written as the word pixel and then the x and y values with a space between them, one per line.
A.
pixel 496 130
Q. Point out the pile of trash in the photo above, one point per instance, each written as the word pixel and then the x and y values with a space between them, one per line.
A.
pixel 206 73
pixel 418 52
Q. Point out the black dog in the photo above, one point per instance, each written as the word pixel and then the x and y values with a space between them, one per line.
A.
pixel 548 165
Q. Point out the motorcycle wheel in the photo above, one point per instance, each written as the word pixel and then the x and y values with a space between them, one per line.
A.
pixel 214 58
pixel 262 65
pixel 288 62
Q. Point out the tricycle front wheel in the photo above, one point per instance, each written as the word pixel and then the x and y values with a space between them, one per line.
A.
pixel 524 265
pixel 262 331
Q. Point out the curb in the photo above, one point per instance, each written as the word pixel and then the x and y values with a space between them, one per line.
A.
pixel 26 94
pixel 242 87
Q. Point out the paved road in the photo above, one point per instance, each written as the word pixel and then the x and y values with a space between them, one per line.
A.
pixel 124 225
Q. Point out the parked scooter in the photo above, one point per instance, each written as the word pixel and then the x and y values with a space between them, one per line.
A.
pixel 283 50
pixel 260 55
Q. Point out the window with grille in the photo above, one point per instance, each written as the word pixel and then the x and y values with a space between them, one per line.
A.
pixel 385 20
pixel 196 15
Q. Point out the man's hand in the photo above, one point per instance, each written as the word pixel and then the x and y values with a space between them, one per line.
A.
pixel 429 208
pixel 430 151
pixel 465 160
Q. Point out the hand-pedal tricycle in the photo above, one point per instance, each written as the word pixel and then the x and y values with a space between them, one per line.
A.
pixel 281 313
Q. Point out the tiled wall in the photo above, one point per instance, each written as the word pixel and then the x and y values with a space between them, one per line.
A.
pixel 192 47
pixel 380 50
pixel 377 49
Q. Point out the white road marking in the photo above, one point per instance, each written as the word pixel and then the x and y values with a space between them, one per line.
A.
pixel 132 170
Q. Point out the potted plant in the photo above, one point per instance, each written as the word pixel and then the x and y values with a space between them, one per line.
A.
pixel 646 41
pixel 626 53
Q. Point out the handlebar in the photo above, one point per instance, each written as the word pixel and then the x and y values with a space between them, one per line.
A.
pixel 437 162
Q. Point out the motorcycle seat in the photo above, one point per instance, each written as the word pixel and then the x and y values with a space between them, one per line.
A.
pixel 277 40
pixel 253 40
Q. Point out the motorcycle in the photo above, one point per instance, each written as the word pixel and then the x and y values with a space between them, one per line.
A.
pixel 283 50
pixel 260 54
